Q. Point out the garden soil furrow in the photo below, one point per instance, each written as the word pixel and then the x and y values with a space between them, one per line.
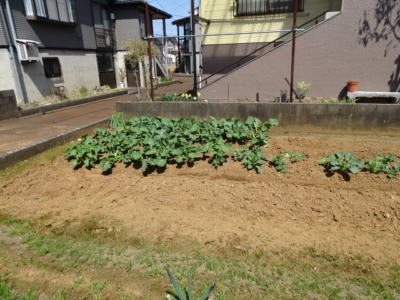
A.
pixel 228 206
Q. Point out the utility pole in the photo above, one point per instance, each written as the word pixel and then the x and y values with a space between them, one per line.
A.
pixel 293 48
pixel 194 54
pixel 149 50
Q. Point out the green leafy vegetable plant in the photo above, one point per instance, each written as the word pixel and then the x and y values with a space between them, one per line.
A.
pixel 186 294
pixel 393 170
pixel 280 163
pixel 254 159
pixel 155 142
pixel 379 163
pixel 342 162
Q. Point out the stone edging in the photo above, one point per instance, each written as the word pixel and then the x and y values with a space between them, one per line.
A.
pixel 9 158
pixel 62 105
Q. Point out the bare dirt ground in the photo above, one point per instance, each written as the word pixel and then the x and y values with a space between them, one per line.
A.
pixel 230 206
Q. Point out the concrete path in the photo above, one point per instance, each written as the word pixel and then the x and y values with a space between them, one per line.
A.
pixel 17 133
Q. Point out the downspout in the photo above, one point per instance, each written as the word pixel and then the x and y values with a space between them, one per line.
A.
pixel 11 49
pixel 194 52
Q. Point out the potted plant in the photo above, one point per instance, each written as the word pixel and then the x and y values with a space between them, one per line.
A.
pixel 283 95
pixel 352 86
pixel 122 76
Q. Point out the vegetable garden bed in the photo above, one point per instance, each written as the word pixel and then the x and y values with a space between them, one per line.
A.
pixel 330 219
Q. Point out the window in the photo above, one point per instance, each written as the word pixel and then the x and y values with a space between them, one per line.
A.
pixel 265 7
pixel 55 10
pixel 52 67
pixel 105 62
pixel 142 24
pixel 102 26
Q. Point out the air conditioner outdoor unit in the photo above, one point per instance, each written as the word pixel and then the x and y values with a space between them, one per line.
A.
pixel 27 50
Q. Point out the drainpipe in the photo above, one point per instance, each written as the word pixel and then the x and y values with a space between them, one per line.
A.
pixel 11 49
pixel 293 49
pixel 194 52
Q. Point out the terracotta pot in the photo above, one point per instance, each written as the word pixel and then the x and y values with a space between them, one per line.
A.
pixel 352 86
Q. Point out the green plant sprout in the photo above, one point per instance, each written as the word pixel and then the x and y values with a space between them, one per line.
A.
pixel 349 100
pixel 83 90
pixel 294 157
pixel 280 161
pixel 117 120
pixel 186 294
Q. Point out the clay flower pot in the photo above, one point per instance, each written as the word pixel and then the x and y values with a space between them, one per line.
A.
pixel 352 86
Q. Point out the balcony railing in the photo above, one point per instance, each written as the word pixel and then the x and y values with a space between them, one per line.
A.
pixel 104 38
pixel 265 7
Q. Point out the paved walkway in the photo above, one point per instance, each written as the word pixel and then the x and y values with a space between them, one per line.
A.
pixel 16 133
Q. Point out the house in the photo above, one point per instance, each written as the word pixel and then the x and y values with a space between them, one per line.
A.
pixel 45 44
pixel 172 53
pixel 184 64
pixel 229 17
pixel 359 43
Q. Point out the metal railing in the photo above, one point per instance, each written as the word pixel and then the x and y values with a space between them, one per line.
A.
pixel 265 7
pixel 162 60
pixel 258 49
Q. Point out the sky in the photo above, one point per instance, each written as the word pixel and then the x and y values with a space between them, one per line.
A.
pixel 177 8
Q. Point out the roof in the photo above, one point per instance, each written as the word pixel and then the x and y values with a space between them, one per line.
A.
pixel 154 11
pixel 181 21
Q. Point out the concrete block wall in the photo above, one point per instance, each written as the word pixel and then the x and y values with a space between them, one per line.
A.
pixel 379 119
pixel 8 105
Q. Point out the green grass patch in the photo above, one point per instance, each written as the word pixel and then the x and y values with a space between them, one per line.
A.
pixel 319 273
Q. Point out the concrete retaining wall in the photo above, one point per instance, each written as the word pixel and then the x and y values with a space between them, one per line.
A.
pixel 381 119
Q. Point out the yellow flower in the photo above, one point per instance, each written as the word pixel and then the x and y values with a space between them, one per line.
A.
pixel 194 98
pixel 198 94
pixel 175 94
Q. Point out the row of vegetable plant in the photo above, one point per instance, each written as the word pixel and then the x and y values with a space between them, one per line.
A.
pixel 346 162
pixel 158 141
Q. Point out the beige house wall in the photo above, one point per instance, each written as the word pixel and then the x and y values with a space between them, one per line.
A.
pixel 221 14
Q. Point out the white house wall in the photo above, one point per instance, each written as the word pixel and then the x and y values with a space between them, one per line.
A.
pixel 79 68
pixel 7 79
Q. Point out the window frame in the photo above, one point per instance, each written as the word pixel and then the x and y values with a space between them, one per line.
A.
pixel 39 10
pixel 142 24
pixel 263 9
pixel 52 67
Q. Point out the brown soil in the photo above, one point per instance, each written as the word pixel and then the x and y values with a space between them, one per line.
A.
pixel 355 214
